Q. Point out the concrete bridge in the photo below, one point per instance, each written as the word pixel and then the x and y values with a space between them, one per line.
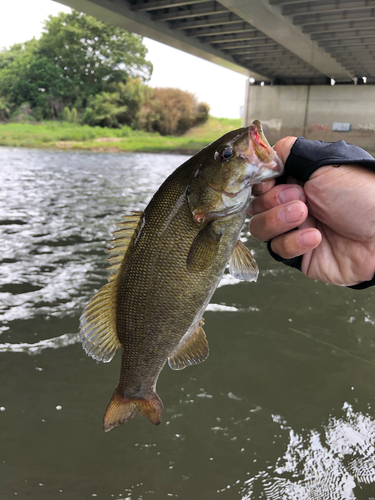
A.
pixel 310 63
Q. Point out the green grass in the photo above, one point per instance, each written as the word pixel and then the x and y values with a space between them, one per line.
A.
pixel 63 135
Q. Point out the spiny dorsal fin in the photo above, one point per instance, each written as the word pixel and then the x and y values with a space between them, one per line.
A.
pixel 192 349
pixel 242 264
pixel 98 320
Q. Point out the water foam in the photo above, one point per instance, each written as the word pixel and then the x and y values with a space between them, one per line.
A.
pixel 37 347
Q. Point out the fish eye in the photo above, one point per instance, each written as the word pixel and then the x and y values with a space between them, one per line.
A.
pixel 225 154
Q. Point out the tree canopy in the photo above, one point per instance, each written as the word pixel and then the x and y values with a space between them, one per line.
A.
pixel 77 57
pixel 84 70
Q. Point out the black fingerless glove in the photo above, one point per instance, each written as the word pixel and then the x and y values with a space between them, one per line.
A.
pixel 307 156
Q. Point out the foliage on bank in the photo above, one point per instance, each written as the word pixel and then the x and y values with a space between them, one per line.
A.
pixel 72 136
pixel 84 71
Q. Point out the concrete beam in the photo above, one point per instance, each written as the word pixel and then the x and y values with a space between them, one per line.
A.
pixel 226 30
pixel 334 16
pixel 269 20
pixel 204 9
pixel 162 4
pixel 347 42
pixel 235 39
pixel 340 26
pixel 323 6
pixel 222 19
pixel 119 13
pixel 342 34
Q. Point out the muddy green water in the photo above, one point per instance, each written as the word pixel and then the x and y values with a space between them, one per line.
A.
pixel 282 409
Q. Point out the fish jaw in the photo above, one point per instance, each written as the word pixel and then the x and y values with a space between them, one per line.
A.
pixel 262 161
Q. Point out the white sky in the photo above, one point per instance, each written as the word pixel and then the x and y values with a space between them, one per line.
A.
pixel 222 89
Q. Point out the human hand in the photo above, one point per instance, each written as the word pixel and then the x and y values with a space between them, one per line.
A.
pixel 334 213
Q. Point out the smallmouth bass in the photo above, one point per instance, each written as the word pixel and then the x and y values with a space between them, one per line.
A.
pixel 166 264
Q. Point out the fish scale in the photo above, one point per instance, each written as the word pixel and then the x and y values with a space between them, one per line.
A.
pixel 157 286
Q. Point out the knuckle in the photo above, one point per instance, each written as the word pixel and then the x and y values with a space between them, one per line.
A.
pixel 257 228
pixel 284 246
pixel 264 202
pixel 264 226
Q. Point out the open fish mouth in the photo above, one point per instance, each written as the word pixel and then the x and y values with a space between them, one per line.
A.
pixel 258 150
pixel 263 162
pixel 257 137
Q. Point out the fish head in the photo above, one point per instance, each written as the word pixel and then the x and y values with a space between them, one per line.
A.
pixel 226 171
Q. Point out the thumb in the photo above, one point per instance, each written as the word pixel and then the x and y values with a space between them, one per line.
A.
pixel 283 147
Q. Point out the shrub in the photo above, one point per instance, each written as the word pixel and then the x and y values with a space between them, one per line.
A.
pixel 172 111
pixel 4 110
pixel 203 110
pixel 105 110
pixel 134 94
pixel 118 106
pixel 23 113
pixel 69 115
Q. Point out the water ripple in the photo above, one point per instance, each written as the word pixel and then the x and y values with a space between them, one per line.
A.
pixel 326 465
pixel 56 215
pixel 38 347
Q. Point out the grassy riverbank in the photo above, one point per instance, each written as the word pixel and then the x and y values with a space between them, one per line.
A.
pixel 63 135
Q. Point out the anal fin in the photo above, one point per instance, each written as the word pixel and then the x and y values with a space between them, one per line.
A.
pixel 192 349
pixel 242 264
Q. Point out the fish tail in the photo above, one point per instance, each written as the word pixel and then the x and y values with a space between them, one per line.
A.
pixel 122 409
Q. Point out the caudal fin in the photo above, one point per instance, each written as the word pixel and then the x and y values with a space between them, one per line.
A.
pixel 121 410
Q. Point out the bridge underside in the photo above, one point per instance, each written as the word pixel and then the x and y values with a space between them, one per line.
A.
pixel 291 50
pixel 280 41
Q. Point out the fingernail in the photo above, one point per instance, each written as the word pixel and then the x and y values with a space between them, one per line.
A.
pixel 289 194
pixel 291 213
pixel 308 239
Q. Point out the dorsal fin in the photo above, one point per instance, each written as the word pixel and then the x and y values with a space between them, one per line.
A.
pixel 98 320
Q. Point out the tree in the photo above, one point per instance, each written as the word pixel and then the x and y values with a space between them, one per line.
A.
pixel 90 54
pixel 76 57
pixel 28 77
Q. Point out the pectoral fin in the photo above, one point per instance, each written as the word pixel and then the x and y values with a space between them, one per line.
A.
pixel 242 264
pixel 192 349
pixel 204 249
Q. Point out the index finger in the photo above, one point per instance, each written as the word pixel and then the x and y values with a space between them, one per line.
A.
pixel 263 187
pixel 278 195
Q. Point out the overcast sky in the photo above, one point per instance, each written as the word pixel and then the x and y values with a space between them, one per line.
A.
pixel 222 89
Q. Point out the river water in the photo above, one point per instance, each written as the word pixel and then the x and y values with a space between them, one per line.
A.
pixel 282 409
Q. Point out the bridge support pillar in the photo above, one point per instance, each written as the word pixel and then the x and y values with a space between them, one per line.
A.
pixel 314 111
